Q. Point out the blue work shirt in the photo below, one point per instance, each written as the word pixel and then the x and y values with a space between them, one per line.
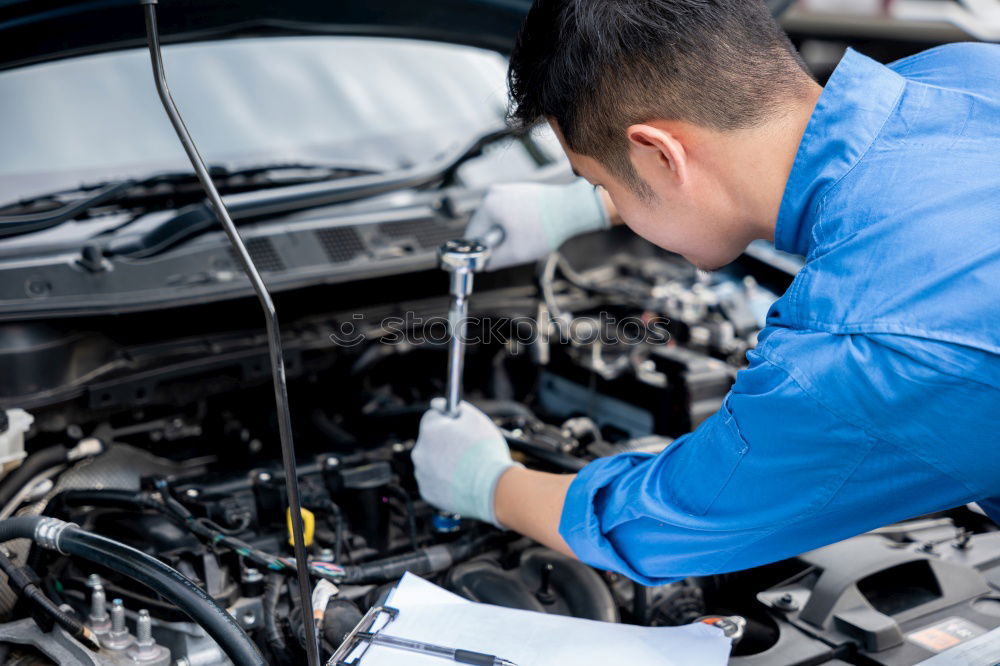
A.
pixel 873 394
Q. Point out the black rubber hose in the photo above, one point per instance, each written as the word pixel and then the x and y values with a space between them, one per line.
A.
pixel 424 561
pixel 273 636
pixel 166 581
pixel 31 467
pixel 339 618
pixel 20 527
pixel 105 498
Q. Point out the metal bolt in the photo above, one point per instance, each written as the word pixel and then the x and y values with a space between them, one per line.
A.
pixel 544 593
pixel 325 555
pixel 145 650
pixel 118 638
pixel 117 616
pixel 333 461
pixel 786 602
pixel 252 575
pixel 263 477
pixel 192 493
pixel 98 604
pixel 144 629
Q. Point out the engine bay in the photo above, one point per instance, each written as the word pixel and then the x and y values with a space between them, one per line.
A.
pixel 170 447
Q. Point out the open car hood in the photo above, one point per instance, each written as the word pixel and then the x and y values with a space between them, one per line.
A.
pixel 39 30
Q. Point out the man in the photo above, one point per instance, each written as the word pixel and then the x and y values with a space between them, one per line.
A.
pixel 874 392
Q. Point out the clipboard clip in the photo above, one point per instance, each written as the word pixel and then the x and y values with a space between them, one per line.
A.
pixel 360 638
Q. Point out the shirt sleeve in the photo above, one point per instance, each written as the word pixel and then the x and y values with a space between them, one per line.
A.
pixel 772 474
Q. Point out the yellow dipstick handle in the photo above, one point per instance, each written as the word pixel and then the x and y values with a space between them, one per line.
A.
pixel 308 527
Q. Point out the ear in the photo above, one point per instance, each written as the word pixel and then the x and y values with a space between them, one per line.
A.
pixel 657 152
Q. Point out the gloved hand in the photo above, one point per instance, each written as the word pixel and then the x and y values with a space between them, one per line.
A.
pixel 458 461
pixel 536 219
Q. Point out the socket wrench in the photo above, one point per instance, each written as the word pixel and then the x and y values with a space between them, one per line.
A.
pixel 462 259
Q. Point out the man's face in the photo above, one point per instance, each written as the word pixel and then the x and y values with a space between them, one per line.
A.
pixel 689 211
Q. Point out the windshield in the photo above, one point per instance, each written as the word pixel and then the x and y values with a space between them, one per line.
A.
pixel 368 102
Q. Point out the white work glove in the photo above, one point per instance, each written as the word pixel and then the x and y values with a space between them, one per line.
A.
pixel 458 461
pixel 535 219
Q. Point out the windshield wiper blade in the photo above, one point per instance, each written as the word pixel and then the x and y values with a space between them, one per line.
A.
pixel 167 186
pixel 307 171
pixel 15 225
pixel 194 220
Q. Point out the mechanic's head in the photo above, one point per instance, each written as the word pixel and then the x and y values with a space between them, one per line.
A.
pixel 651 99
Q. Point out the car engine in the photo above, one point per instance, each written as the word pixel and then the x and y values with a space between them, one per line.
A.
pixel 157 430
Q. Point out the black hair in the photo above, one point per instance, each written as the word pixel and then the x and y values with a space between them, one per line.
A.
pixel 597 66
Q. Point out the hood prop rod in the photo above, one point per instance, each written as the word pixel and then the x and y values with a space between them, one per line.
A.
pixel 271 318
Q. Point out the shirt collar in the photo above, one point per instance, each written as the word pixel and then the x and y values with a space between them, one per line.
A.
pixel 858 99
